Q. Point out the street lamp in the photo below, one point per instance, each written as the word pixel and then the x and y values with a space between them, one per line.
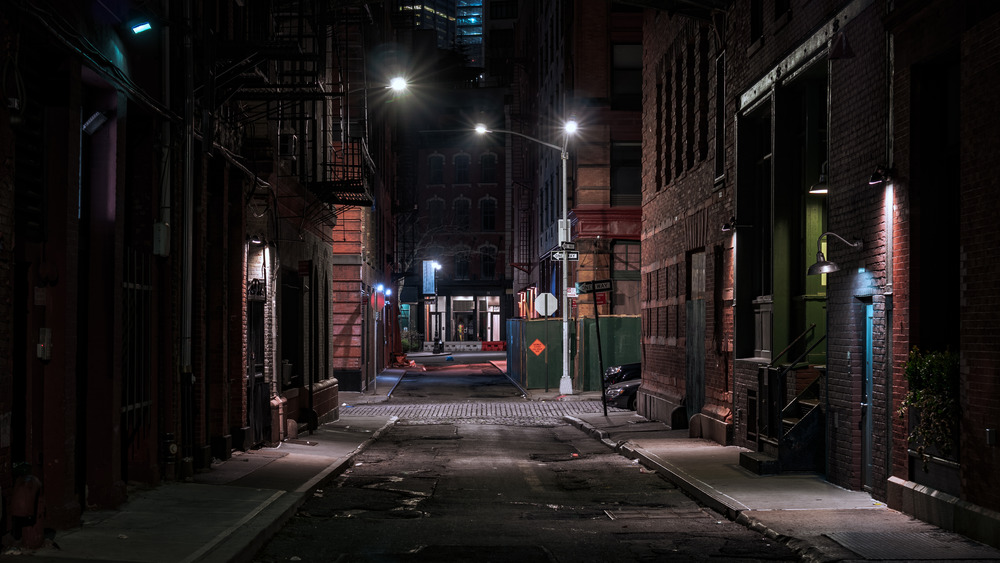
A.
pixel 565 383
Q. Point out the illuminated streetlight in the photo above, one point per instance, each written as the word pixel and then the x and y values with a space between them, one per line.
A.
pixel 570 127
pixel 398 84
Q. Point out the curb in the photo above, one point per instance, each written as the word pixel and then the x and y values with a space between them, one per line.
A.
pixel 723 504
pixel 292 501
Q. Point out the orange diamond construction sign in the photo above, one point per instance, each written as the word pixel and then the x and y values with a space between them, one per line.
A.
pixel 537 347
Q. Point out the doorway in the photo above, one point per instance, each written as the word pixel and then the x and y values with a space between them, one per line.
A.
pixel 866 402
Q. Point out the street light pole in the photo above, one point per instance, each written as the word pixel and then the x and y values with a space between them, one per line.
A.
pixel 565 382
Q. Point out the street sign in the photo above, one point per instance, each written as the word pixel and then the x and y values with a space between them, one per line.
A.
pixel 559 255
pixel 584 288
pixel 545 304
pixel 537 347
pixel 569 246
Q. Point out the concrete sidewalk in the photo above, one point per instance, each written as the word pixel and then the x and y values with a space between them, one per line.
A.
pixel 821 521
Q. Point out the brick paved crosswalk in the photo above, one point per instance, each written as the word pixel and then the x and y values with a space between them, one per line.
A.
pixel 480 410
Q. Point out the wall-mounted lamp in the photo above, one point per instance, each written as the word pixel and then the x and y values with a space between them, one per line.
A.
pixel 881 174
pixel 255 239
pixel 822 265
pixel 96 121
pixel 820 187
pixel 731 225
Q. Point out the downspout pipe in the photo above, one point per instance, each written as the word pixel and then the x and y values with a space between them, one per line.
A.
pixel 188 208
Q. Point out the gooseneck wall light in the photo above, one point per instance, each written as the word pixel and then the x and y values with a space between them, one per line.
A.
pixel 822 265
pixel 881 174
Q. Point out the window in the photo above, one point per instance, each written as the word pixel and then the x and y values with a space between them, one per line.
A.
pixel 462 265
pixel 488 262
pixel 488 208
pixel 626 174
pixel 626 77
pixel 462 169
pixel 756 20
pixel 626 259
pixel 488 169
pixel 720 115
pixel 435 169
pixel 462 213
pixel 435 211
pixel 503 10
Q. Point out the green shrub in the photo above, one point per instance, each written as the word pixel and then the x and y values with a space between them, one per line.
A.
pixel 413 341
pixel 933 396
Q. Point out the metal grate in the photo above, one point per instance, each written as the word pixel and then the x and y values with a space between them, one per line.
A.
pixel 922 546
pixel 136 401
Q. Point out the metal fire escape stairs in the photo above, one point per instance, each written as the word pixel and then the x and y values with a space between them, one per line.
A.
pixel 790 435
pixel 348 170
pixel 292 82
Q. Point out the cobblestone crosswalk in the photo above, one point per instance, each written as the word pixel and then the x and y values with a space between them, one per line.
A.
pixel 480 411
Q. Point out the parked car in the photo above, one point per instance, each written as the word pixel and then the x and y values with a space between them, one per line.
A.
pixel 622 394
pixel 623 372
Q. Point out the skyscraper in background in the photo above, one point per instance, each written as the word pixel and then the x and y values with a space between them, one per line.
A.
pixel 469 31
pixel 438 15
pixel 458 25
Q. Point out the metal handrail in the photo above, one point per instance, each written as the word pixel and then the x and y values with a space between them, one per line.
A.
pixel 792 343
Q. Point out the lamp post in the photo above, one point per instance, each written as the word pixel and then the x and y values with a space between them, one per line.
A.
pixel 565 382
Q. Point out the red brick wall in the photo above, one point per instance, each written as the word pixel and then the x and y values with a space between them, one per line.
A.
pixel 684 209
pixel 980 52
pixel 976 39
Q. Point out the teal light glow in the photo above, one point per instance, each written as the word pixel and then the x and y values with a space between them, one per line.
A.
pixel 139 28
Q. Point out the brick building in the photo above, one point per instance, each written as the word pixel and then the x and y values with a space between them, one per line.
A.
pixel 577 60
pixel 168 257
pixel 779 137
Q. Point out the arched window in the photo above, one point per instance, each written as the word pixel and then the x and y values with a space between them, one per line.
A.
pixel 435 169
pixel 462 264
pixel 462 169
pixel 488 262
pixel 435 212
pixel 488 169
pixel 461 207
pixel 488 211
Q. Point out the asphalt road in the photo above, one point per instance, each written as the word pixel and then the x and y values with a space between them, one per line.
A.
pixel 524 488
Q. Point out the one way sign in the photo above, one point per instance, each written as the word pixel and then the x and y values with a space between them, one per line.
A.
pixel 584 288
pixel 559 255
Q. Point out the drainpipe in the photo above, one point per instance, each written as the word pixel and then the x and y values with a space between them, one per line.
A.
pixel 890 218
pixel 188 209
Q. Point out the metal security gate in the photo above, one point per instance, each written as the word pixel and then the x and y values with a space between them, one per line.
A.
pixel 137 383
pixel 258 395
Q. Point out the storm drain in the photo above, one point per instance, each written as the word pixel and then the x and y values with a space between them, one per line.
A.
pixel 920 546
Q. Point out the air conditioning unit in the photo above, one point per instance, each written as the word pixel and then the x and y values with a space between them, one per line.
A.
pixel 288 145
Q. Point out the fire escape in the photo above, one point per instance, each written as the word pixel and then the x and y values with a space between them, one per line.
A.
pixel 299 85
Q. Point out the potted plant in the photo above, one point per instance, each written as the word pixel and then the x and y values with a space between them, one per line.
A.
pixel 933 399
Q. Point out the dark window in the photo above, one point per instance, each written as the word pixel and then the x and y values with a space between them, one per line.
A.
pixel 462 214
pixel 435 169
pixel 488 262
pixel 488 168
pixel 503 10
pixel 462 265
pixel 756 20
pixel 626 182
pixel 626 77
pixel 488 207
pixel 720 115
pixel 462 169
pixel 435 211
